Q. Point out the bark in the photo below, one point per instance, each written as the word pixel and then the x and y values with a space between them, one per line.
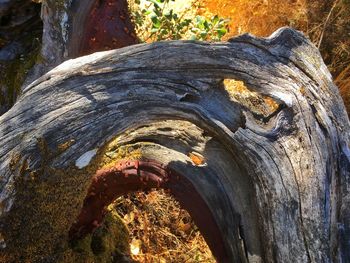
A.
pixel 75 28
pixel 277 185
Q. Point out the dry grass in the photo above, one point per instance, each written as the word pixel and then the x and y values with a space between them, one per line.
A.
pixel 160 231
pixel 343 82
pixel 260 18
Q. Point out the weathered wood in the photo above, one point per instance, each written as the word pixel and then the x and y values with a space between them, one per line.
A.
pixel 277 186
pixel 74 28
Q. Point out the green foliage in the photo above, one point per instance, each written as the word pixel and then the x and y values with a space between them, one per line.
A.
pixel 157 21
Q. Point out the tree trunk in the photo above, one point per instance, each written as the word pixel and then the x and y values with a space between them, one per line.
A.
pixel 75 28
pixel 71 29
pixel 276 184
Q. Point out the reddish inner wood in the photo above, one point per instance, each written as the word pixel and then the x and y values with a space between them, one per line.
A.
pixel 108 26
pixel 130 176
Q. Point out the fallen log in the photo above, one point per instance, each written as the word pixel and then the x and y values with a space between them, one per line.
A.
pixel 276 183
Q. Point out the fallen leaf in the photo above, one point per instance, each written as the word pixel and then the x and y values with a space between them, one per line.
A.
pixel 196 158
pixel 135 246
pixel 184 227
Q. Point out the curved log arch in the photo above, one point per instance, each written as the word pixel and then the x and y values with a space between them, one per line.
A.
pixel 296 162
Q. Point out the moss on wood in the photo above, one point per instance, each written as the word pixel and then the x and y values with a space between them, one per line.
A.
pixel 48 201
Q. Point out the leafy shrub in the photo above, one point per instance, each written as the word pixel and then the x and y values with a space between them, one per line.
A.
pixel 158 21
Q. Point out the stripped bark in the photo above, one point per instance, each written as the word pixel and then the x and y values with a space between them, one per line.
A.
pixel 75 28
pixel 277 185
pixel 32 42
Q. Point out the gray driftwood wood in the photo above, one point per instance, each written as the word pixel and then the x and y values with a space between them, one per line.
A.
pixel 278 185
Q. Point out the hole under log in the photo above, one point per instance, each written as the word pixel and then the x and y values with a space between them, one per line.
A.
pixel 160 230
pixel 130 176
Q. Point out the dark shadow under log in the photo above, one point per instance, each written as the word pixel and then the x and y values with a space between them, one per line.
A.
pixel 20 41
pixel 278 184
